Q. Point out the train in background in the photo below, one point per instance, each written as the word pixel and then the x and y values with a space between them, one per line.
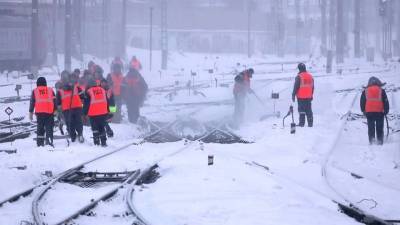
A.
pixel 15 41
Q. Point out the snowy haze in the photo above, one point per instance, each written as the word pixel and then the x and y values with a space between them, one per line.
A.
pixel 197 48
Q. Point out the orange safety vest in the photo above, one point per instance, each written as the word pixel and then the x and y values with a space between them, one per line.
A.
pixel 44 100
pixel 66 103
pixel 98 101
pixel 117 81
pixel 305 90
pixel 133 83
pixel 374 101
pixel 246 80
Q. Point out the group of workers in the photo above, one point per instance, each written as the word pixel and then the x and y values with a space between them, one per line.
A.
pixel 100 99
pixel 374 103
pixel 88 98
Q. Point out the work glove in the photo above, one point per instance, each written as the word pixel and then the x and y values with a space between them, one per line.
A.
pixel 30 116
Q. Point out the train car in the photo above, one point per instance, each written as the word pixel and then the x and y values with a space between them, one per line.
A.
pixel 15 43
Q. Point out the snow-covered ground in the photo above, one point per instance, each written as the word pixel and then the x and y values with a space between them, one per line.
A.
pixel 307 170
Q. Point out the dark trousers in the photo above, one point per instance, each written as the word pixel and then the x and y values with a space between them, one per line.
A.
pixel 73 120
pixel 305 110
pixel 109 131
pixel 98 124
pixel 45 124
pixel 117 115
pixel 239 108
pixel 375 125
pixel 133 111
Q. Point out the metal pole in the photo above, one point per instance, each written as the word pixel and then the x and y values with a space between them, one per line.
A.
pixel 248 28
pixel 357 28
pixel 339 32
pixel 297 6
pixel 323 27
pixel 123 30
pixel 164 35
pixel 34 36
pixel 54 34
pixel 151 39
pixel 67 47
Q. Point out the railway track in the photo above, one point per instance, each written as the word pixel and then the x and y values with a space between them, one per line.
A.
pixel 86 170
pixel 138 174
pixel 347 206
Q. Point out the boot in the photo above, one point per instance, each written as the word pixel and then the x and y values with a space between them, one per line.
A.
pixel 103 140
pixel 81 139
pixel 96 138
pixel 39 141
pixel 109 131
pixel 371 140
pixel 310 121
pixel 302 120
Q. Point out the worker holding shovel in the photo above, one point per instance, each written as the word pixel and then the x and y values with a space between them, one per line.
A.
pixel 304 89
pixel 240 90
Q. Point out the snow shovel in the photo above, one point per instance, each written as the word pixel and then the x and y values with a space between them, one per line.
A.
pixel 292 125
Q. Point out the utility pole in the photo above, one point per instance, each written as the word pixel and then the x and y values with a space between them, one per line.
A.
pixel 398 28
pixel 54 34
pixel 323 27
pixel 122 52
pixel 281 29
pixel 77 19
pixel 297 9
pixel 249 5
pixel 339 33
pixel 386 14
pixel 164 35
pixel 68 38
pixel 331 23
pixel 104 29
pixel 357 28
pixel 34 37
pixel 151 39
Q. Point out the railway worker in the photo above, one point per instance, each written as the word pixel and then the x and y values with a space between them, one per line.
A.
pixel 117 61
pixel 91 67
pixel 43 103
pixel 98 75
pixel 69 100
pixel 304 90
pixel 240 90
pixel 112 108
pixel 135 90
pixel 135 64
pixel 84 79
pixel 374 105
pixel 96 108
pixel 115 85
pixel 63 80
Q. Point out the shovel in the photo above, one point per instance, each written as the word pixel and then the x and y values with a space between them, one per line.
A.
pixel 292 125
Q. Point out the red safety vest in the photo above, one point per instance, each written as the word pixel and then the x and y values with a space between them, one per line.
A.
pixel 374 101
pixel 98 101
pixel 66 103
pixel 133 84
pixel 44 100
pixel 117 79
pixel 246 80
pixel 305 90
